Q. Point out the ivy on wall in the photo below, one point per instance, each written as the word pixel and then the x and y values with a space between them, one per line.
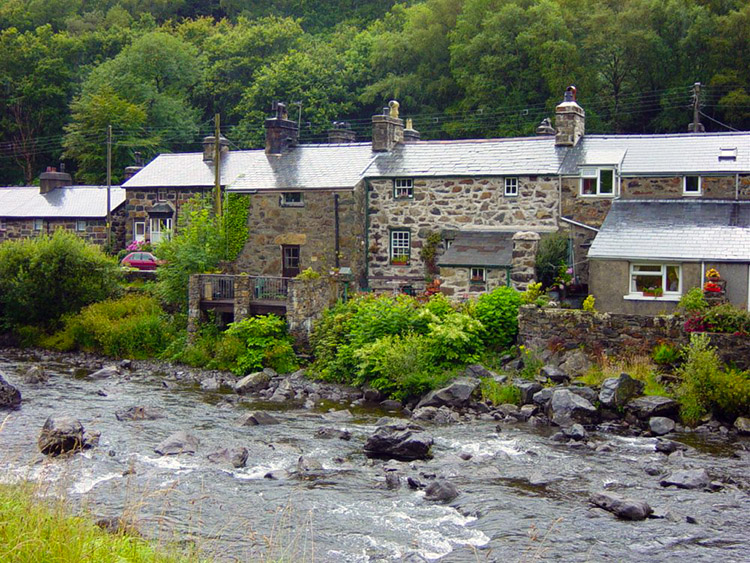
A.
pixel 235 224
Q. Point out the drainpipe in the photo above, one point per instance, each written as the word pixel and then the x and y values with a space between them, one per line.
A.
pixel 737 186
pixel 559 198
pixel 336 226
pixel 367 235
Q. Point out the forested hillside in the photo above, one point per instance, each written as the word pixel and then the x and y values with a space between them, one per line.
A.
pixel 158 70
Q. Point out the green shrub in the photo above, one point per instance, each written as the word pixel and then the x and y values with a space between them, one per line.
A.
pixel 638 367
pixel 708 388
pixel 665 354
pixel 500 393
pixel 455 340
pixel 44 278
pixel 498 313
pixel 533 294
pixel 265 344
pixel 532 363
pixel 727 318
pixel 551 255
pixel 308 274
pixel 693 301
pixel 588 304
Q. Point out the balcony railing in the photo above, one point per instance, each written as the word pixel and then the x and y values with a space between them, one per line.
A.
pixel 271 289
pixel 218 287
pixel 221 287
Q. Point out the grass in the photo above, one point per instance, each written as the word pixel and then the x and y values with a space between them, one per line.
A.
pixel 500 393
pixel 641 368
pixel 33 529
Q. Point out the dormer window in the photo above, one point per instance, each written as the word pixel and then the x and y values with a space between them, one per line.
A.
pixel 692 185
pixel 403 188
pixel 728 153
pixel 292 199
pixel 598 182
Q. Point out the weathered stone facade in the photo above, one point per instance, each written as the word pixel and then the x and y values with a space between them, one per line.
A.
pixel 456 282
pixel 139 202
pixel 306 301
pixel 450 204
pixel 312 225
pixel 616 334
pixel 95 230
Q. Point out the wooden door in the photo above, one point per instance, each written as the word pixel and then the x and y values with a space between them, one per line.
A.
pixel 290 260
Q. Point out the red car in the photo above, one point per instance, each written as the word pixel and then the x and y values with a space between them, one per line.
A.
pixel 141 261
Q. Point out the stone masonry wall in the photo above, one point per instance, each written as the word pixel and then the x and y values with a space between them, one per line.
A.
pixel 311 226
pixel 450 204
pixel 456 281
pixel 305 303
pixel 95 233
pixel 140 200
pixel 615 333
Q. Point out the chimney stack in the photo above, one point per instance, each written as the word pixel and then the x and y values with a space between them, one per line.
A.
pixel 52 179
pixel 387 129
pixel 209 148
pixel 545 128
pixel 281 132
pixel 570 120
pixel 341 132
pixel 131 171
pixel 411 135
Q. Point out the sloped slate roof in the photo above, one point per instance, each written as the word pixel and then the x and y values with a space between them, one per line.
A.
pixel 479 248
pixel 69 201
pixel 675 230
pixel 478 157
pixel 306 167
pixel 187 170
pixel 662 154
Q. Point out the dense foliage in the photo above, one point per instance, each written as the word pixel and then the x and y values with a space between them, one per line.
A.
pixel 158 71
pixel 44 278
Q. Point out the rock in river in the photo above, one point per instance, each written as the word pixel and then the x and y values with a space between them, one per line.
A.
pixel 616 391
pixel 139 413
pixel 35 374
pixel 10 397
pixel 687 479
pixel 399 441
pixel 440 491
pixel 62 434
pixel 236 456
pixel 178 443
pixel 457 394
pixel 625 508
pixel 660 425
pixel 567 408
pixel 652 405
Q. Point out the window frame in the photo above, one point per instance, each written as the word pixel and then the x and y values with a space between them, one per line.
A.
pixel 164 230
pixel 81 223
pixel 478 279
pixel 143 231
pixel 595 172
pixel 662 275
pixel 287 199
pixel 37 224
pixel 161 194
pixel 404 235
pixel 511 186
pixel 685 191
pixel 405 190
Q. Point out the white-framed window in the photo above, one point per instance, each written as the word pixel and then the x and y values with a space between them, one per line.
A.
pixel 511 187
pixel 139 231
pixel 400 246
pixel 160 229
pixel 660 279
pixel 38 224
pixel 292 199
pixel 81 225
pixel 598 182
pixel 478 275
pixel 692 185
pixel 403 188
pixel 161 194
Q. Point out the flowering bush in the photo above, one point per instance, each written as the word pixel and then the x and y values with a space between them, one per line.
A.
pixel 712 273
pixel 711 287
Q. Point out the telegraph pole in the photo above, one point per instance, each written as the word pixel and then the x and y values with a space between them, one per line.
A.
pixel 696 126
pixel 217 165
pixel 109 187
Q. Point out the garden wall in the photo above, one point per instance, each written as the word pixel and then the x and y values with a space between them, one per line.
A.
pixel 615 334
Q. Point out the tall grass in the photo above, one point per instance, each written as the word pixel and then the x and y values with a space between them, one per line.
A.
pixel 638 367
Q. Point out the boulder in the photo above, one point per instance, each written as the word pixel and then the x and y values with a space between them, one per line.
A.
pixel 576 432
pixel 477 371
pixel 543 397
pixel 441 491
pixel 61 434
pixel 687 479
pixel 35 374
pixel 442 415
pixel 624 508
pixel 652 405
pixel 309 465
pixel 210 384
pixel 91 438
pixel 582 391
pixel 457 394
pixel 258 418
pixel 528 389
pixel 617 391
pixel 575 363
pixel 555 374
pixel 391 405
pixel 371 395
pixel 399 441
pixel 283 392
pixel 140 413
pixel 660 425
pixel 392 480
pixel 178 443
pixel 566 408
pixel 339 415
pixel 10 397
pixel 328 433
pixel 235 456
pixel 668 446
pixel 106 372
pixel 252 383
pixel 742 425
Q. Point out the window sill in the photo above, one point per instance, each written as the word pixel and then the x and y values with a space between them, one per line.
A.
pixel 292 205
pixel 607 196
pixel 692 194
pixel 674 298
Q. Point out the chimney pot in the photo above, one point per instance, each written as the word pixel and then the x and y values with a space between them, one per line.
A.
pixel 570 120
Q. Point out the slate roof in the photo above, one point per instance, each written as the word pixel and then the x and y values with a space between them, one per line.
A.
pixel 662 154
pixel 187 170
pixel 478 157
pixel 306 167
pixel 675 230
pixel 68 202
pixel 480 249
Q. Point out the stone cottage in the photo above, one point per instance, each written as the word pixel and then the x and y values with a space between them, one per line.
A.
pixel 29 211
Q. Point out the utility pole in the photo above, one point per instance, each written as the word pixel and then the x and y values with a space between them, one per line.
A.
pixel 109 187
pixel 217 165
pixel 696 126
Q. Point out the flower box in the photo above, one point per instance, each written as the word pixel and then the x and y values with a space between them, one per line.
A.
pixel 400 261
pixel 653 292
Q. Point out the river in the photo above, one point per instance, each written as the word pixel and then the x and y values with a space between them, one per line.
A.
pixel 522 496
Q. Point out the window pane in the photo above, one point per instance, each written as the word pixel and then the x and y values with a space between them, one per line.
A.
pixel 400 243
pixel 673 278
pixel 607 181
pixel 588 186
pixel 646 282
pixel 641 268
pixel 692 184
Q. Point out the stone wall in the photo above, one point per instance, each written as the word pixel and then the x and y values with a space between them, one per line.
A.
pixel 616 334
pixel 449 204
pixel 139 201
pixel 95 232
pixel 456 281
pixel 311 225
pixel 712 187
pixel 305 303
